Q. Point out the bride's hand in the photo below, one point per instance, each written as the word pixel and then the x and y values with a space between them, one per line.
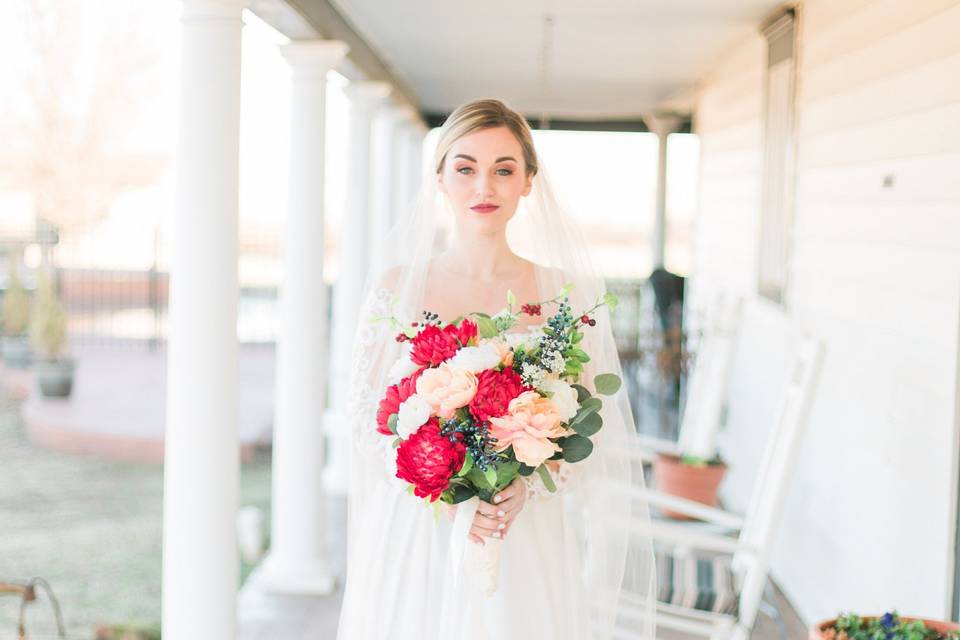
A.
pixel 495 520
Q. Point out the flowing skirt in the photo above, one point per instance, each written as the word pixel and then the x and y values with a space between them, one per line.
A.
pixel 399 577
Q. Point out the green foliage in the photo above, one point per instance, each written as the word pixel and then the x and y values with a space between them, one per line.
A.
pixel 467 465
pixel 589 424
pixel 582 392
pixel 48 322
pixel 545 477
pixel 607 383
pixel 694 461
pixel 889 626
pixel 15 313
pixel 611 301
pixel 485 326
pixel 575 448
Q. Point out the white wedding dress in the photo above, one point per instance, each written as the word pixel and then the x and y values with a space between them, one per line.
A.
pixel 399 581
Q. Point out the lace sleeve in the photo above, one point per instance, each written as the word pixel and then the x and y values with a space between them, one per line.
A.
pixel 565 477
pixel 370 350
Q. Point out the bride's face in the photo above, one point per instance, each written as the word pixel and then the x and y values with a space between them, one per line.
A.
pixel 485 167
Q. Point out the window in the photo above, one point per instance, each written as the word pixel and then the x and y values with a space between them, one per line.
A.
pixel 778 154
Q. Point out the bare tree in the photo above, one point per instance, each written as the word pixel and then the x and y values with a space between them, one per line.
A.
pixel 89 72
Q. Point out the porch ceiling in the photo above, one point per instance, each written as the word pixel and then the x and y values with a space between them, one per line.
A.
pixel 608 59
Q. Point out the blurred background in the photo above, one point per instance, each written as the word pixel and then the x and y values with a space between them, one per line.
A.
pixel 748 173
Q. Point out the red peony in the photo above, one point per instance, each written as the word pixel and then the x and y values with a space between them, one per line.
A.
pixel 495 390
pixel 428 460
pixel 396 393
pixel 433 345
pixel 466 332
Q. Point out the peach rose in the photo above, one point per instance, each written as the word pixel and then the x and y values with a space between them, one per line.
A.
pixel 446 388
pixel 506 355
pixel 529 424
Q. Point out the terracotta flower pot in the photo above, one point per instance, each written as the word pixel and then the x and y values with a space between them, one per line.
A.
pixel 940 626
pixel 687 481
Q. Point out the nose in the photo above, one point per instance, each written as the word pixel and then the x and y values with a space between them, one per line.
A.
pixel 484 185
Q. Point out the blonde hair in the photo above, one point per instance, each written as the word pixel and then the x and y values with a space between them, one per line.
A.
pixel 485 113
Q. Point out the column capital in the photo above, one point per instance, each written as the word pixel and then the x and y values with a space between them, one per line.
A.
pixel 314 55
pixel 212 9
pixel 662 123
pixel 367 93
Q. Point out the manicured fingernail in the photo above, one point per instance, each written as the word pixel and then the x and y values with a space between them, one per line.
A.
pixel 496 534
pixel 496 499
pixel 501 513
pixel 501 526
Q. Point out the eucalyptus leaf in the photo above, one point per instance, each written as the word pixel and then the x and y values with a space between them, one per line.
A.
pixel 582 392
pixel 607 383
pixel 589 425
pixel 576 448
pixel 588 406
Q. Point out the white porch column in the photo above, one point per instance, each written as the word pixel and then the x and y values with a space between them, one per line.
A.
pixel 202 446
pixel 365 98
pixel 663 126
pixel 414 160
pixel 297 561
pixel 385 169
pixel 405 183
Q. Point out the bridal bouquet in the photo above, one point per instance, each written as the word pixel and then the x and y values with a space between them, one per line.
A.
pixel 471 406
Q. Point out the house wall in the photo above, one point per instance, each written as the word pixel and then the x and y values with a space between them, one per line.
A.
pixel 875 271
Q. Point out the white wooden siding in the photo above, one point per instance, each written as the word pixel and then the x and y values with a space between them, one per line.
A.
pixel 875 270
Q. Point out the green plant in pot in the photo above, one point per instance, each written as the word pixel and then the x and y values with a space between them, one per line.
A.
pixel 889 626
pixel 15 316
pixel 48 333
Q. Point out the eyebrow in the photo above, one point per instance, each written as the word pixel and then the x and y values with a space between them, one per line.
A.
pixel 472 159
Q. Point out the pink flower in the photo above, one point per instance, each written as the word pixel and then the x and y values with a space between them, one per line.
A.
pixel 446 388
pixel 529 425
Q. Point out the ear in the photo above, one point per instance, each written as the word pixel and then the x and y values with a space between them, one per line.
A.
pixel 526 190
pixel 442 187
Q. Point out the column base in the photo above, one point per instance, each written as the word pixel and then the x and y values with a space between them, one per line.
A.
pixel 310 577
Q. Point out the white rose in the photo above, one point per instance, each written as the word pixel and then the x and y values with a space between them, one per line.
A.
pixel 403 367
pixel 564 396
pixel 414 411
pixel 476 359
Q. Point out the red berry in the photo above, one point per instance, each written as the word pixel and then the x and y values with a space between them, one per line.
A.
pixel 584 319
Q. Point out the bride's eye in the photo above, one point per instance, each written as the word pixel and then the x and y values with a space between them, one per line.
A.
pixel 508 172
pixel 460 170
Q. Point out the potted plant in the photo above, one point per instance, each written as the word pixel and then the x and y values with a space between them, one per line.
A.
pixel 889 626
pixel 15 315
pixel 48 332
pixel 695 477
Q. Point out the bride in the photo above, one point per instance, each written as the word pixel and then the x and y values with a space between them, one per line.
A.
pixel 486 221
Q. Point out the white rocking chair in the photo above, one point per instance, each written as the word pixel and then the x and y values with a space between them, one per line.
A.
pixel 718 595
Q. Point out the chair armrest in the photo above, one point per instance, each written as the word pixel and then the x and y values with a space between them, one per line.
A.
pixel 679 534
pixel 685 506
pixel 652 445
